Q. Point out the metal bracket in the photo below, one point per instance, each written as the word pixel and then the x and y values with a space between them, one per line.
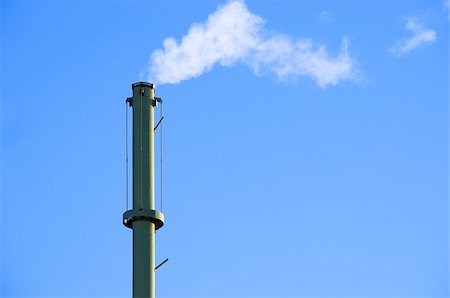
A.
pixel 155 101
pixel 159 122
pixel 129 101
pixel 162 263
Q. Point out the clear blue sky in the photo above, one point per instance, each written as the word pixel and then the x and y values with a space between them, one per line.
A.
pixel 273 187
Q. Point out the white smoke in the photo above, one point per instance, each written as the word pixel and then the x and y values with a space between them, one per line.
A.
pixel 233 34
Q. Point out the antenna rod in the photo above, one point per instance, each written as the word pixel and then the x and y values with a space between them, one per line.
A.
pixel 143 218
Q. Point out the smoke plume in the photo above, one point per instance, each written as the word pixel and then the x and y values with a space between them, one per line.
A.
pixel 231 35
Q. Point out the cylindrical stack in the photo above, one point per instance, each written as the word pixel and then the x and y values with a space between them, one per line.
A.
pixel 143 218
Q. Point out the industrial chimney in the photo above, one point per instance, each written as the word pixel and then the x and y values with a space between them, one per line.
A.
pixel 143 219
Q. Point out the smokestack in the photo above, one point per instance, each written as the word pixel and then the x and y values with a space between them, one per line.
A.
pixel 143 218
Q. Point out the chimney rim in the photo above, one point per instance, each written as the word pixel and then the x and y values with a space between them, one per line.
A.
pixel 147 84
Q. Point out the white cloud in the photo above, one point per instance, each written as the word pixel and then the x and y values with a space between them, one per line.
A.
pixel 233 34
pixel 325 17
pixel 421 36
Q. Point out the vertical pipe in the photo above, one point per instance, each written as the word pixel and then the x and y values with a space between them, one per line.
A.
pixel 143 190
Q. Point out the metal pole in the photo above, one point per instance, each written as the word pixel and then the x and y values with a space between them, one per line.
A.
pixel 143 218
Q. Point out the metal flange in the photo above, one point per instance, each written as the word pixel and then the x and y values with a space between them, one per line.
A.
pixel 153 216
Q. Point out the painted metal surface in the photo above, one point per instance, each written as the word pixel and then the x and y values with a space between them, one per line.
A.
pixel 143 218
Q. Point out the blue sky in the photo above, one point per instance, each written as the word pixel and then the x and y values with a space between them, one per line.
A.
pixel 315 183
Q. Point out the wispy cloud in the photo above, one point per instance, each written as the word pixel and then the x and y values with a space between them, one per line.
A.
pixel 421 36
pixel 232 35
pixel 325 17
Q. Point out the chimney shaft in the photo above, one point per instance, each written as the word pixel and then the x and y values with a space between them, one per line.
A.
pixel 143 218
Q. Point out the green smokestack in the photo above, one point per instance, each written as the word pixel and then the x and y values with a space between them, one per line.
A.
pixel 143 218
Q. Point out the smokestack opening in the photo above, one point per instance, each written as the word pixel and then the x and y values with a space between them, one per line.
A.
pixel 146 84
